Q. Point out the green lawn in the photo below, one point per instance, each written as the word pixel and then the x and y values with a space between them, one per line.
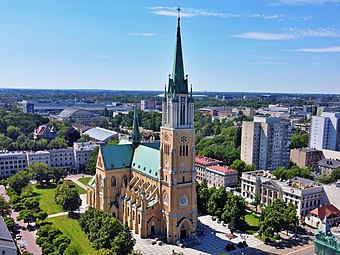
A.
pixel 85 180
pixel 71 228
pixel 45 194
pixel 271 239
pixel 252 224
pixel 80 189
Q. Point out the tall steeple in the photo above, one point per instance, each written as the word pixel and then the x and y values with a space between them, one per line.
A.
pixel 178 82
pixel 136 137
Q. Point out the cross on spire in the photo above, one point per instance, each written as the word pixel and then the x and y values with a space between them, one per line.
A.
pixel 178 10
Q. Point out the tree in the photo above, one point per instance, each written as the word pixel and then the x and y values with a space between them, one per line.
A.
pixel 10 223
pixel 123 243
pixel 256 201
pixel 234 210
pixel 40 172
pixel 5 142
pixel 19 180
pixel 5 208
pixel 58 173
pixel 299 140
pixel 90 167
pixel 277 216
pixel 72 135
pixel 67 197
pixel 217 201
pixel 13 132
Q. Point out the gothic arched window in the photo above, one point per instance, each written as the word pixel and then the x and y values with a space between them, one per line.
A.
pixel 113 181
pixel 125 180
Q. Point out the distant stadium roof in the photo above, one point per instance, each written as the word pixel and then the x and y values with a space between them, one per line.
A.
pixel 101 134
pixel 74 112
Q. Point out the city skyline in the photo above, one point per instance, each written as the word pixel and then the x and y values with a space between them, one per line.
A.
pixel 264 46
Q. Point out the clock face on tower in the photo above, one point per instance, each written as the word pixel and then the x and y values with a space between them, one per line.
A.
pixel 184 164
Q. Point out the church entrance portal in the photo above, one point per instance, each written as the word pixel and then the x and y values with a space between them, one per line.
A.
pixel 183 233
pixel 152 230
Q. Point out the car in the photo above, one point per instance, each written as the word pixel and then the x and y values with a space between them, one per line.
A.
pixel 18 236
pixel 23 249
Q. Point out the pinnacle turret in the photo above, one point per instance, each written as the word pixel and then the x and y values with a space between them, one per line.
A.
pixel 136 137
pixel 177 81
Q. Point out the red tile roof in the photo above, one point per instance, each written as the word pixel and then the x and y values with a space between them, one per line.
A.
pixel 206 161
pixel 222 169
pixel 327 210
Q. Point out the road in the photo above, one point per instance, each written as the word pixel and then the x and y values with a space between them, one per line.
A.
pixel 28 237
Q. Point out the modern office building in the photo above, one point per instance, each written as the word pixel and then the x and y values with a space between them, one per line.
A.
pixel 325 131
pixel 266 143
pixel 305 194
pixel 151 187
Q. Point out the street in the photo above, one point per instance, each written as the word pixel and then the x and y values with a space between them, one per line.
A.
pixel 28 237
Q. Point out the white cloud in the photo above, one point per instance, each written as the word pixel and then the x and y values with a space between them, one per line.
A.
pixel 191 12
pixel 335 49
pixel 265 36
pixel 266 17
pixel 143 34
pixel 289 34
pixel 306 2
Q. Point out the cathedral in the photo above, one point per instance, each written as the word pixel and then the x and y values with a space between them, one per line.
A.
pixel 151 187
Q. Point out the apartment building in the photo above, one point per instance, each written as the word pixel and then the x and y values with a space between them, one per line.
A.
pixel 305 194
pixel 325 131
pixel 214 172
pixel 266 143
pixel 304 157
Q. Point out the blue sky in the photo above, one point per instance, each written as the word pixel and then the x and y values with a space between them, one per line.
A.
pixel 228 45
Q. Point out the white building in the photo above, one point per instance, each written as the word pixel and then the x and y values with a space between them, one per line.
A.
pixel 325 131
pixel 38 156
pixel 62 158
pixel 11 163
pixel 103 135
pixel 305 194
pixel 316 216
pixel 82 153
pixel 266 143
pixel 214 172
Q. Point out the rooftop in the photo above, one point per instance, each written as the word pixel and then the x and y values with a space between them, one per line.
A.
pixel 101 134
pixel 6 239
pixel 325 210
pixel 296 182
pixel 329 163
pixel 206 161
pixel 222 169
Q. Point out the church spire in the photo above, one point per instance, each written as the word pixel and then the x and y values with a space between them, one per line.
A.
pixel 178 81
pixel 136 137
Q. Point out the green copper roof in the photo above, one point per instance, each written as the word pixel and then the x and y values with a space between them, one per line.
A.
pixel 117 156
pixel 146 160
pixel 135 133
pixel 178 83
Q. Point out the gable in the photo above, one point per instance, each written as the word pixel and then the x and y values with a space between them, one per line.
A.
pixel 116 156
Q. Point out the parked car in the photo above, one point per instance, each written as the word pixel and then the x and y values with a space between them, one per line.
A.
pixel 18 236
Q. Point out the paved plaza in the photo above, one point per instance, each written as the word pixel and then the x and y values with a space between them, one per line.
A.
pixel 213 242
